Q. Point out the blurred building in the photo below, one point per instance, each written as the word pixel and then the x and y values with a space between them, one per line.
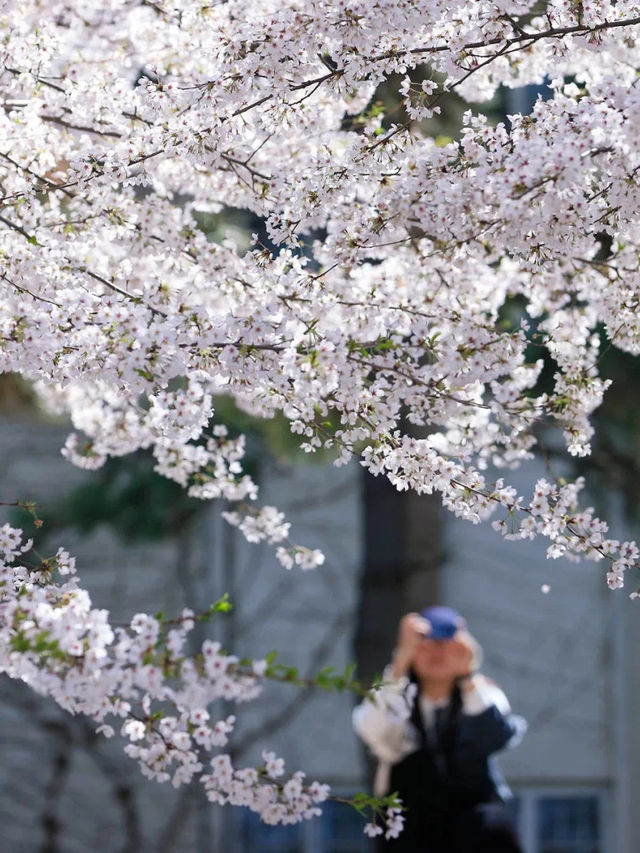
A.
pixel 565 659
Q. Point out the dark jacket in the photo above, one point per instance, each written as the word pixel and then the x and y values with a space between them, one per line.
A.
pixel 452 790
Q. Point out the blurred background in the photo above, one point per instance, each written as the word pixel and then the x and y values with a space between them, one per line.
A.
pixel 560 644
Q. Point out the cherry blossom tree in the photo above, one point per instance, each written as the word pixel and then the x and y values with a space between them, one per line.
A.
pixel 375 309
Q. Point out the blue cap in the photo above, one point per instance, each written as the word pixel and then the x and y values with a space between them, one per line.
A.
pixel 444 621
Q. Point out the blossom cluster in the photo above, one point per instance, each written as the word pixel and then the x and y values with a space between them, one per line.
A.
pixel 140 679
pixel 288 802
pixel 394 822
pixel 124 122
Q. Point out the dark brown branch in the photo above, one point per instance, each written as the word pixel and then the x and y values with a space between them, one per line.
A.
pixel 552 32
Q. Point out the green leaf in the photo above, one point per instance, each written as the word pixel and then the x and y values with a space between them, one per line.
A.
pixel 349 671
pixel 20 643
pixel 41 643
pixel 222 605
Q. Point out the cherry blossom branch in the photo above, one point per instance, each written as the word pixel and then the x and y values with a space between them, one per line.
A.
pixel 532 37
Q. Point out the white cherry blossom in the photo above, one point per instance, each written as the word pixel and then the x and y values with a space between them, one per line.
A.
pixel 377 304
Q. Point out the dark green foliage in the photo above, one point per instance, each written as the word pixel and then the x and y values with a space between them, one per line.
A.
pixel 128 495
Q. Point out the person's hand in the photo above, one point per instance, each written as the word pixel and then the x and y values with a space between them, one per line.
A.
pixel 412 630
pixel 471 682
pixel 460 655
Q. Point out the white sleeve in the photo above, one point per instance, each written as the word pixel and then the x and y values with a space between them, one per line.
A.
pixel 381 720
pixel 483 695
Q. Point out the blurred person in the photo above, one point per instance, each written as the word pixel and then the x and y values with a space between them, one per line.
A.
pixel 434 726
